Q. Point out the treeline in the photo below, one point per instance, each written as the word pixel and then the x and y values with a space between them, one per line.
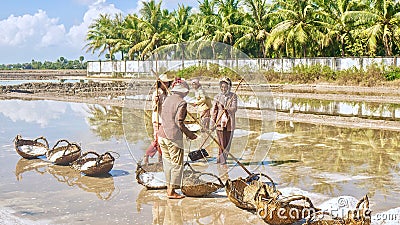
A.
pixel 284 28
pixel 61 63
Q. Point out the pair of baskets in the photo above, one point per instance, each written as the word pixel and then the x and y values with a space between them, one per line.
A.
pixel 66 153
pixel 359 216
pixel 59 155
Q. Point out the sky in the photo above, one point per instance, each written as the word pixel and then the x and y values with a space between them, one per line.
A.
pixel 45 30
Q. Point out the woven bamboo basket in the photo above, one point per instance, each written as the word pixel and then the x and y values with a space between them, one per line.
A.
pixel 194 186
pixel 99 165
pixel 30 149
pixel 242 192
pixel 360 216
pixel 151 175
pixel 64 155
pixel 283 210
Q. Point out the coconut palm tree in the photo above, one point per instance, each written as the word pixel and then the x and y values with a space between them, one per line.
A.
pixel 381 24
pixel 132 33
pixel 229 26
pixel 298 29
pixel 180 29
pixel 98 35
pixel 204 26
pixel 257 26
pixel 154 28
pixel 336 16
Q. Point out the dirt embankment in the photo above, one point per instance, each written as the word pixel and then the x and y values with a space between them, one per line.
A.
pixel 38 74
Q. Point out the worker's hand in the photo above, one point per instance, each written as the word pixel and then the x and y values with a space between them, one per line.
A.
pixel 193 137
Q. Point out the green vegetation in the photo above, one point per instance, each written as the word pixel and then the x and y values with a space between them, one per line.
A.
pixel 61 63
pixel 371 76
pixel 284 28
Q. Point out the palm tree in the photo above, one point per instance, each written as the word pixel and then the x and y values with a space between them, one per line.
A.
pixel 298 28
pixel 257 26
pixel 336 21
pixel 132 34
pixel 381 24
pixel 204 26
pixel 180 28
pixel 154 28
pixel 98 33
pixel 228 26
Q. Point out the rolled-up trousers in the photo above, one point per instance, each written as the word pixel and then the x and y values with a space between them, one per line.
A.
pixel 172 157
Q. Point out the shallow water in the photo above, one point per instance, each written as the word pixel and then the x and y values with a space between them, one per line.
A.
pixel 318 161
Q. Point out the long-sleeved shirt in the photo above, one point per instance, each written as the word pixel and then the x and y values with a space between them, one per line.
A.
pixel 220 103
pixel 173 116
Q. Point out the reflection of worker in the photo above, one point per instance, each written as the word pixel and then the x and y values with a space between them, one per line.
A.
pixel 223 116
pixel 157 99
pixel 203 103
pixel 171 136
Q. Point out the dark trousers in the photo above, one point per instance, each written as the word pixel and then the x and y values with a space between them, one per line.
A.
pixel 224 138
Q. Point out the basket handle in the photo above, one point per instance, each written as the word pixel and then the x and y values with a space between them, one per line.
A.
pixel 17 138
pixel 270 179
pixel 59 141
pixel 139 171
pixel 190 167
pixel 101 157
pixel 42 138
pixel 87 153
pixel 365 201
pixel 257 196
pixel 358 213
pixel 289 199
pixel 109 153
pixel 213 175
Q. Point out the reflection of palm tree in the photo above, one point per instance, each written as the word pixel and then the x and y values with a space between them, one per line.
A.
pixel 106 122
pixel 327 188
pixel 352 152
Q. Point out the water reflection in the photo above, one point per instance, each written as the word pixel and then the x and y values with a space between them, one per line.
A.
pixel 42 112
pixel 332 158
pixel 103 187
pixel 213 210
pixel 372 110
pixel 24 165
pixel 106 121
